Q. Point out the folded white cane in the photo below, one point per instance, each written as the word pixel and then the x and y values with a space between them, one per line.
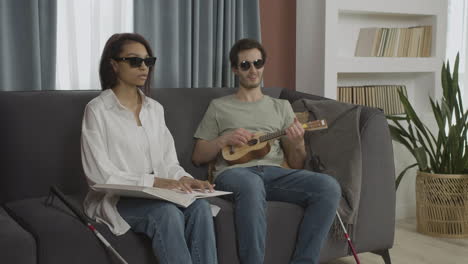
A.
pixel 350 244
pixel 81 216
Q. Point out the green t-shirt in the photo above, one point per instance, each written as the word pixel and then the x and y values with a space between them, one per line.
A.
pixel 227 113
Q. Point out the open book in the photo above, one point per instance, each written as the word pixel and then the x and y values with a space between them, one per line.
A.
pixel 175 196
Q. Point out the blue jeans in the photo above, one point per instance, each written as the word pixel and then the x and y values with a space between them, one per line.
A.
pixel 178 235
pixel 317 193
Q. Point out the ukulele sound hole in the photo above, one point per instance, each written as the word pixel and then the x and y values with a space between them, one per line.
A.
pixel 252 142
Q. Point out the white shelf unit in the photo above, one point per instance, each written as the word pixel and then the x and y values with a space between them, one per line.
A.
pixel 386 64
pixel 421 76
pixel 344 19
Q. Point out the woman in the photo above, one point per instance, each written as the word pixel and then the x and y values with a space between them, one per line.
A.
pixel 125 141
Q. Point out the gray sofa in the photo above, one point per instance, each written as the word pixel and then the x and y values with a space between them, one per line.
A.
pixel 40 147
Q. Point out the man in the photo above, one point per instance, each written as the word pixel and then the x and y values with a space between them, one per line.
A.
pixel 232 121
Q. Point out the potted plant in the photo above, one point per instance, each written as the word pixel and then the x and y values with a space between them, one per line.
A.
pixel 441 158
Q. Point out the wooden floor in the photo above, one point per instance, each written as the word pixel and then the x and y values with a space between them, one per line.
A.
pixel 412 247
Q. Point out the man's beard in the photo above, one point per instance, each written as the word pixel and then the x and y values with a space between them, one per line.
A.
pixel 249 85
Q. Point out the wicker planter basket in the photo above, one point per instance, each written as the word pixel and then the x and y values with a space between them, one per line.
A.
pixel 442 204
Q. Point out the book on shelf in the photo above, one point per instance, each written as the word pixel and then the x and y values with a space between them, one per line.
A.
pixel 382 41
pixel 384 97
pixel 177 197
pixel 394 42
pixel 386 106
pixel 427 42
pixel 368 42
pixel 403 43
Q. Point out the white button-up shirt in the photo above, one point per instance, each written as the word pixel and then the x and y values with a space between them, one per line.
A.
pixel 111 154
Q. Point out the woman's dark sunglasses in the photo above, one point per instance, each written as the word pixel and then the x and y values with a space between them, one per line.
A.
pixel 245 65
pixel 135 62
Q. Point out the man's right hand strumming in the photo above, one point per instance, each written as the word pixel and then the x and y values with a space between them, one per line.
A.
pixel 206 151
pixel 237 137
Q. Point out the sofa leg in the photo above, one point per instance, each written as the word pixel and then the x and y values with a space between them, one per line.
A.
pixel 385 254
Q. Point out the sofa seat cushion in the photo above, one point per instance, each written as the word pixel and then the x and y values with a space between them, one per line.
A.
pixel 62 238
pixel 13 236
pixel 283 220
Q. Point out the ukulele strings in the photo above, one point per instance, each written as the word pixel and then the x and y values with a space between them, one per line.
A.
pixel 281 133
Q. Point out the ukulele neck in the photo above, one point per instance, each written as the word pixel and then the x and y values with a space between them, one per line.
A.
pixel 271 136
pixel 310 126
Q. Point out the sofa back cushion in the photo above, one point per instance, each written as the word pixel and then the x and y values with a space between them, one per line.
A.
pixel 40 136
pixel 40 142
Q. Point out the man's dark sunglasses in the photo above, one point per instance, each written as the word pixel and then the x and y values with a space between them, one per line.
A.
pixel 245 65
pixel 135 62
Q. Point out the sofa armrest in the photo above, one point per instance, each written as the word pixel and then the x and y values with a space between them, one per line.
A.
pixel 376 217
pixel 16 244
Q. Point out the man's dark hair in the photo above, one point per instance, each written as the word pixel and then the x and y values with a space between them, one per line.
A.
pixel 111 50
pixel 244 44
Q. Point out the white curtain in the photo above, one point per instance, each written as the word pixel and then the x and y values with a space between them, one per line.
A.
pixel 457 41
pixel 83 27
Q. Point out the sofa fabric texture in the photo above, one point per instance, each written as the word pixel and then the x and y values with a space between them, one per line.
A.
pixel 16 244
pixel 40 146
pixel 338 150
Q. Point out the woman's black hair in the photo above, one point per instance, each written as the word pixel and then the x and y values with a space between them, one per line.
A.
pixel 112 49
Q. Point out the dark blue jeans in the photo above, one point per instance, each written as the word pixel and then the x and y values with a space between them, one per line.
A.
pixel 317 193
pixel 178 235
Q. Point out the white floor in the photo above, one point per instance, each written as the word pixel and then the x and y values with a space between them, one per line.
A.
pixel 412 247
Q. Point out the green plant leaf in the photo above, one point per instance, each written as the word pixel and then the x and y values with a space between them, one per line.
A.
pixel 460 100
pixel 401 130
pixel 446 111
pixel 455 88
pixel 394 117
pixel 437 114
pixel 426 148
pixel 442 151
pixel 396 134
pixel 400 176
pixel 452 149
pixel 412 114
pixel 421 158
pixel 465 161
pixel 444 79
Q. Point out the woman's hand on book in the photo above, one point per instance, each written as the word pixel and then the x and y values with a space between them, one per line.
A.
pixel 186 184
pixel 171 184
pixel 196 184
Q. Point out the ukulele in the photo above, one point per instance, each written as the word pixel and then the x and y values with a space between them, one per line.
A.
pixel 259 145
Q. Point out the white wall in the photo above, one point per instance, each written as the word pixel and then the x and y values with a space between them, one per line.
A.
pixel 406 194
pixel 310 41
pixel 457 38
